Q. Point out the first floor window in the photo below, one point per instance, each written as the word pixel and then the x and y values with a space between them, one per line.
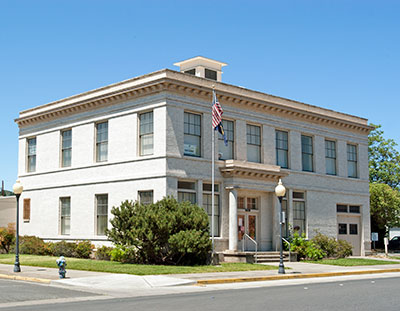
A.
pixel 27 210
pixel 65 215
pixel 146 197
pixel 102 213
pixel 299 212
pixel 207 205
pixel 187 191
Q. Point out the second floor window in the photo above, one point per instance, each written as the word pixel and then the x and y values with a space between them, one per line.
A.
pixel 226 152
pixel 253 143
pixel 282 148
pixel 352 160
pixel 192 132
pixel 330 157
pixel 101 142
pixel 307 153
pixel 66 148
pixel 146 133
pixel 31 155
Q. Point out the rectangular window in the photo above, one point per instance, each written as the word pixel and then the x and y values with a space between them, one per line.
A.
pixel 307 153
pixel 187 191
pixel 340 208
pixel 192 133
pixel 354 209
pixel 210 74
pixel 65 215
pixel 342 228
pixel 207 205
pixel 66 148
pixel 251 204
pixel 253 143
pixel 101 213
pixel 146 133
pixel 299 212
pixel 352 160
pixel 241 204
pixel 282 148
pixel 226 152
pixel 27 210
pixel 146 197
pixel 101 142
pixel 353 229
pixel 330 157
pixel 31 155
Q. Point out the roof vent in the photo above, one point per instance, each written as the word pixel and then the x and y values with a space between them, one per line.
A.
pixel 203 67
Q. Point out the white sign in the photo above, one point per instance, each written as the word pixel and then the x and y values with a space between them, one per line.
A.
pixel 374 236
pixel 190 149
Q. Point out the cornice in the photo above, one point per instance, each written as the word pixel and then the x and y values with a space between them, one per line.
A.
pixel 187 85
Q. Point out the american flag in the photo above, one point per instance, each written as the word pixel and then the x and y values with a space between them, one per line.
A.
pixel 217 118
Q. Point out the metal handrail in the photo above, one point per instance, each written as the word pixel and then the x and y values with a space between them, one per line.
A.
pixel 252 240
pixel 290 253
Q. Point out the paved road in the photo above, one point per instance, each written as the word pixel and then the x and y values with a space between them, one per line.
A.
pixel 366 294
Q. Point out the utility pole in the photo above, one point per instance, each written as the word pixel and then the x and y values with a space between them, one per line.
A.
pixel 2 188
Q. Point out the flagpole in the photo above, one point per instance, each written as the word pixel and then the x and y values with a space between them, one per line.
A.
pixel 212 180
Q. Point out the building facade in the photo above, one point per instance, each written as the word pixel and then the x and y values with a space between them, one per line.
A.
pixel 150 136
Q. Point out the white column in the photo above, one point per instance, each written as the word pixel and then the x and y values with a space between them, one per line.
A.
pixel 233 226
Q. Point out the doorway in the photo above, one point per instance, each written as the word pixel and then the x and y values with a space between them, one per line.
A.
pixel 247 224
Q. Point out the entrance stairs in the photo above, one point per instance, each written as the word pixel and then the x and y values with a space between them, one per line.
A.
pixel 253 257
pixel 265 257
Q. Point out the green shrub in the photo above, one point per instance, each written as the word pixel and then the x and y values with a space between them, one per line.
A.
pixel 7 238
pixel 63 248
pixel 166 232
pixel 306 249
pixel 124 254
pixel 83 249
pixel 103 253
pixel 332 247
pixel 33 245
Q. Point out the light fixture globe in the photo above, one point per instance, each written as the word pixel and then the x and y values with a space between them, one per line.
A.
pixel 280 189
pixel 17 188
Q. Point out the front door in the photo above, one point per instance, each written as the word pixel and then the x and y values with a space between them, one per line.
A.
pixel 247 224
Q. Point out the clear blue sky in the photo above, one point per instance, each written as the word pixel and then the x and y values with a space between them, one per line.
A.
pixel 339 54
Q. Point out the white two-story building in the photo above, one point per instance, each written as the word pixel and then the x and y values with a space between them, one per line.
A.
pixel 150 136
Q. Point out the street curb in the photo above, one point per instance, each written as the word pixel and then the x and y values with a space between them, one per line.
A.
pixel 292 276
pixel 24 278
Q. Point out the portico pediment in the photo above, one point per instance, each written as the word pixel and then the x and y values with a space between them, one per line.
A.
pixel 244 169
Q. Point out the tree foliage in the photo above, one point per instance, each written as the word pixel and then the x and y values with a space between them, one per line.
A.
pixel 166 232
pixel 385 206
pixel 384 159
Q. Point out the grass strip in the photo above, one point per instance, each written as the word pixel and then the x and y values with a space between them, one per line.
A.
pixel 117 267
pixel 351 262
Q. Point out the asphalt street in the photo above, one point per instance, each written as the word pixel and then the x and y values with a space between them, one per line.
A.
pixel 366 294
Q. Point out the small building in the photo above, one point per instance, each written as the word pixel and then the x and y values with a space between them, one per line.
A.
pixel 150 136
pixel 8 210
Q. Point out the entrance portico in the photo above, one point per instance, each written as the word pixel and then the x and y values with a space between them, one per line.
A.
pixel 252 204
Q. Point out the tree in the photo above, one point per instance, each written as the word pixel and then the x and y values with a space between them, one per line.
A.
pixel 166 232
pixel 384 159
pixel 385 207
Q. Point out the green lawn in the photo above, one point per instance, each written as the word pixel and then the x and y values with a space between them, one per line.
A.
pixel 116 267
pixel 348 262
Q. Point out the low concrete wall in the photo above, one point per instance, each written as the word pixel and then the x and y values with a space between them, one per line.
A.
pixel 8 210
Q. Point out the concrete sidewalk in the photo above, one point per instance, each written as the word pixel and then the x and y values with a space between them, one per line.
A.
pixel 115 282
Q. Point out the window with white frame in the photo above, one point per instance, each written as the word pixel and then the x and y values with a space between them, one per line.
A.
pixel 282 149
pixel 187 191
pixel 101 213
pixel 192 134
pixel 101 141
pixel 31 167
pixel 299 212
pixel 146 197
pixel 207 205
pixel 352 160
pixel 66 148
pixel 248 203
pixel 146 133
pixel 330 157
pixel 253 143
pixel 226 152
pixel 307 153
pixel 65 216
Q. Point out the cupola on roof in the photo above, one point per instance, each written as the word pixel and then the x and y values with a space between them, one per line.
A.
pixel 203 67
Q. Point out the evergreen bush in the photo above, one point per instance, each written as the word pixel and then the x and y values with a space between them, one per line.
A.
pixel 166 232
pixel 103 253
